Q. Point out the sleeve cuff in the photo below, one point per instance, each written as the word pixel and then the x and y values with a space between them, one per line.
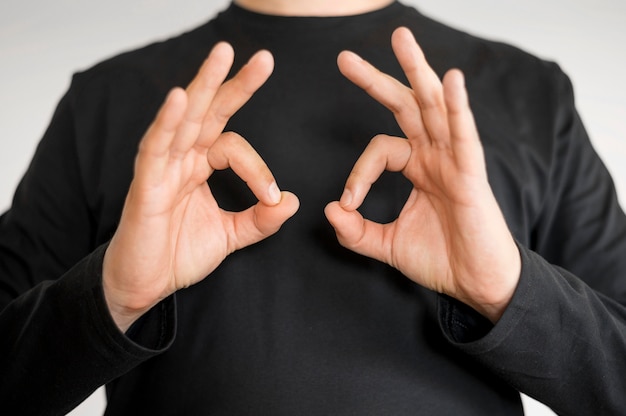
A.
pixel 151 335
pixel 466 328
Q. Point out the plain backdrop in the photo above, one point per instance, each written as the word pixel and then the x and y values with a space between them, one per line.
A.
pixel 43 42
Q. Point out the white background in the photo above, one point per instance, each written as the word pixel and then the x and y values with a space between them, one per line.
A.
pixel 43 42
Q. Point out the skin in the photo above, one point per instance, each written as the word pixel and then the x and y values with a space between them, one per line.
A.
pixel 450 237
pixel 172 233
pixel 312 7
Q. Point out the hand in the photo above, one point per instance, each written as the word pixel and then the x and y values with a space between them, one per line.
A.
pixel 450 236
pixel 172 232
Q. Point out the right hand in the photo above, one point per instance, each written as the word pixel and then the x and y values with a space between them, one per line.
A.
pixel 172 233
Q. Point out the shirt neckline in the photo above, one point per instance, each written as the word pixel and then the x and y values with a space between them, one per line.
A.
pixel 244 18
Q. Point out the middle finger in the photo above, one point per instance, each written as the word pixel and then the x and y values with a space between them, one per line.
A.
pixel 233 94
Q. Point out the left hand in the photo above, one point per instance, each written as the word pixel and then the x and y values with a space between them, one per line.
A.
pixel 450 236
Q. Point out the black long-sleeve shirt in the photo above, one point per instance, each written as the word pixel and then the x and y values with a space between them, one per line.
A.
pixel 298 325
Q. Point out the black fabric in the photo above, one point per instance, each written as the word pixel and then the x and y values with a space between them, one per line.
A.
pixel 297 324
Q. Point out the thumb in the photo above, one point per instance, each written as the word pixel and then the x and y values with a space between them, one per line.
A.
pixel 260 221
pixel 356 233
pixel 269 218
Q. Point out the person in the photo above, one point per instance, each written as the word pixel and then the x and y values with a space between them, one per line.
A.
pixel 487 261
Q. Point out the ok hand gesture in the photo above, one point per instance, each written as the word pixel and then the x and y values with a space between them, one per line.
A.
pixel 450 236
pixel 172 232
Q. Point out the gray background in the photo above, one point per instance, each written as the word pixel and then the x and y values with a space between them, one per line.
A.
pixel 43 42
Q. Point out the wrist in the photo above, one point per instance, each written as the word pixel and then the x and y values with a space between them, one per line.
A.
pixel 124 306
pixel 123 316
pixel 493 295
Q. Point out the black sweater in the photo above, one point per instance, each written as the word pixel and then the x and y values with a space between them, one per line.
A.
pixel 298 325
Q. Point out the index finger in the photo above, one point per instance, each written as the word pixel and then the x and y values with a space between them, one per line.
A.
pixel 388 91
pixel 233 151
pixel 383 153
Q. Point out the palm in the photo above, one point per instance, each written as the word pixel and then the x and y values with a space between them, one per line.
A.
pixel 426 251
pixel 439 206
pixel 196 228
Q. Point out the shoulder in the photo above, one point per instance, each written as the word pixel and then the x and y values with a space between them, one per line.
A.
pixel 159 65
pixel 484 60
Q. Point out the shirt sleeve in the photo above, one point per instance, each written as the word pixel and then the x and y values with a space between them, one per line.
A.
pixel 562 339
pixel 559 341
pixel 59 342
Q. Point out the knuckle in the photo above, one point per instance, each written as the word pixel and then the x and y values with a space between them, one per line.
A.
pixel 432 102
pixel 217 115
pixel 404 102
pixel 230 140
pixel 378 140
pixel 229 136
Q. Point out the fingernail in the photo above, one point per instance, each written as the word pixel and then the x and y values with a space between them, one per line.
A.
pixel 274 193
pixel 346 198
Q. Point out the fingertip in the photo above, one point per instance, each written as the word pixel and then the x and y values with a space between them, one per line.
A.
pixel 222 53
pixel 348 225
pixel 403 37
pixel 402 32
pixel 337 214
pixel 455 78
pixel 269 218
pixel 353 194
pixel 224 48
pixel 346 198
pixel 285 199
pixel 273 193
pixel 349 55
pixel 454 89
pixel 264 60
pixel 330 206
pixel 347 58
pixel 176 96
pixel 291 200
pixel 332 211
pixel 265 56
pixel 173 109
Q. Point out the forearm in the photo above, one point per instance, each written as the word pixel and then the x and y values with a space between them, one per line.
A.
pixel 558 339
pixel 60 344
